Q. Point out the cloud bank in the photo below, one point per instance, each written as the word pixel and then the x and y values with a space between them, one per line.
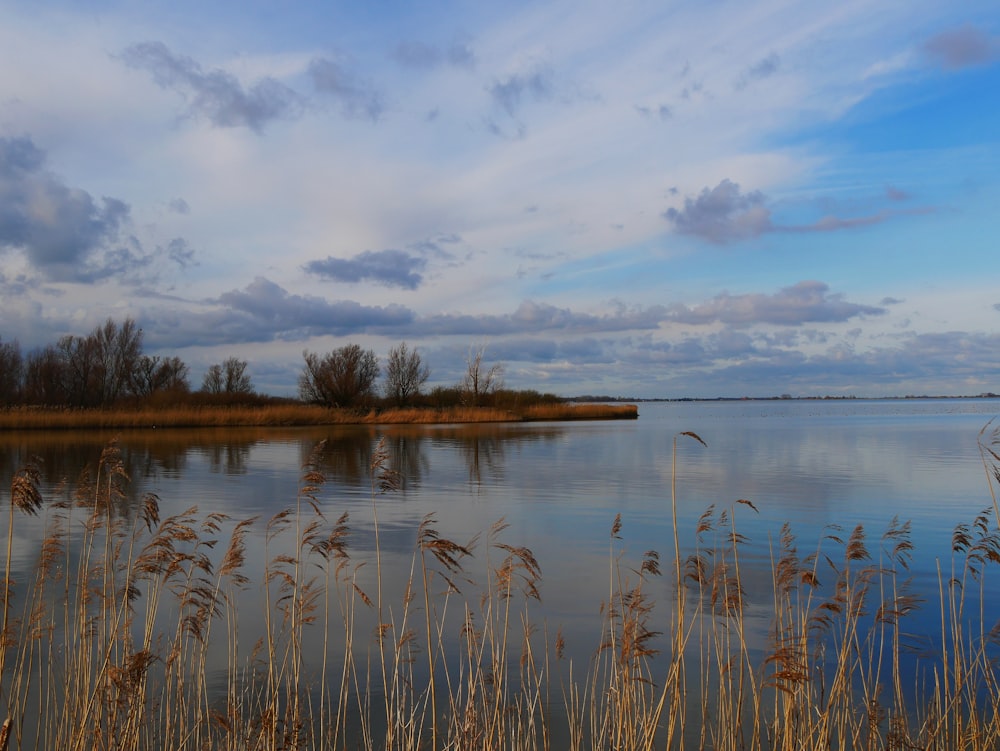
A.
pixel 390 268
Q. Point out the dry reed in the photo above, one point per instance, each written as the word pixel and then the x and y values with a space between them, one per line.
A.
pixel 110 644
pixel 291 415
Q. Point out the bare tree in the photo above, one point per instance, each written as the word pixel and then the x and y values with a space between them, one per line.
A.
pixel 99 368
pixel 405 374
pixel 116 350
pixel 172 375
pixel 479 380
pixel 213 382
pixel 45 377
pixel 80 371
pixel 152 375
pixel 237 379
pixel 230 377
pixel 85 371
pixel 11 372
pixel 343 378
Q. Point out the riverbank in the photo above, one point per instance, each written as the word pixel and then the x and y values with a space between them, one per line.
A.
pixel 286 415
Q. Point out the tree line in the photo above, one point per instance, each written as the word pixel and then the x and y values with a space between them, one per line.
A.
pixel 104 368
pixel 108 367
pixel 349 377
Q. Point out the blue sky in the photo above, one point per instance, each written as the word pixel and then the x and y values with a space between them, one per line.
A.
pixel 651 199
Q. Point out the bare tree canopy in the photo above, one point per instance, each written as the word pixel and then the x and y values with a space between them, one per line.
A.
pixel 213 381
pixel 107 367
pixel 230 377
pixel 44 376
pixel 155 374
pixel 405 375
pixel 480 381
pixel 11 371
pixel 116 350
pixel 343 378
pixel 86 371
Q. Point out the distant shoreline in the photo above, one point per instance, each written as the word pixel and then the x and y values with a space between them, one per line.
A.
pixel 297 415
pixel 634 399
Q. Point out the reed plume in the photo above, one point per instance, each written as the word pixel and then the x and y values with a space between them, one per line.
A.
pixel 130 610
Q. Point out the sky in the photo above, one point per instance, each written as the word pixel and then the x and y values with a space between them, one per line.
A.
pixel 673 198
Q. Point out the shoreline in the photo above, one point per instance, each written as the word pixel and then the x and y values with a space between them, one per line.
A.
pixel 712 399
pixel 38 418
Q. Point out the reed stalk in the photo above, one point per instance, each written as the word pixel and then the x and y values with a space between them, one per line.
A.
pixel 114 641
pixel 182 416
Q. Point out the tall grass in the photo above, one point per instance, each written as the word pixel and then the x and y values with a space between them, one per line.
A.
pixel 183 416
pixel 110 642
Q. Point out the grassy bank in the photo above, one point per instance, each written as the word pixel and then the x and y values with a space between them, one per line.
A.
pixel 25 418
pixel 110 640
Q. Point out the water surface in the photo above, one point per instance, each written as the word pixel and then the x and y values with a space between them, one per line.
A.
pixel 823 467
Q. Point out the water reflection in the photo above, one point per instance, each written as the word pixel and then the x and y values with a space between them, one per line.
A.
pixel 147 456
pixel 485 447
pixel 153 458
pixel 559 487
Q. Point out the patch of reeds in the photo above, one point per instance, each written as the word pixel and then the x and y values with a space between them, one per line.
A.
pixel 439 416
pixel 583 411
pixel 179 416
pixel 284 415
pixel 109 644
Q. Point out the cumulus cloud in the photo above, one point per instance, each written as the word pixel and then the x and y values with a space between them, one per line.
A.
pixel 805 302
pixel 216 95
pixel 414 54
pixel 726 214
pixel 59 228
pixel 264 310
pixel 533 317
pixel 690 351
pixel 179 206
pixel 963 47
pixel 931 363
pixel 645 351
pixel 733 363
pixel 723 214
pixel 358 99
pixel 391 268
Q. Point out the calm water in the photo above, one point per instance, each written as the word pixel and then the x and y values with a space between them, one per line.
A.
pixel 559 486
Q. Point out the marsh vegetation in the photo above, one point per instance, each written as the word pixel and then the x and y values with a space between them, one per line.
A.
pixel 293 414
pixel 114 639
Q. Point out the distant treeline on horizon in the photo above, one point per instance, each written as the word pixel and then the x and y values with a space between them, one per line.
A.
pixel 783 397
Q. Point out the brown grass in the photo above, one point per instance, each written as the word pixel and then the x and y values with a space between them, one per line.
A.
pixel 292 415
pixel 581 412
pixel 110 645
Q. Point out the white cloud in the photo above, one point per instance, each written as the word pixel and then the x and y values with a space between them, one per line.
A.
pixel 245 166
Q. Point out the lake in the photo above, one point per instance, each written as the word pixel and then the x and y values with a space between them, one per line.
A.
pixel 822 467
